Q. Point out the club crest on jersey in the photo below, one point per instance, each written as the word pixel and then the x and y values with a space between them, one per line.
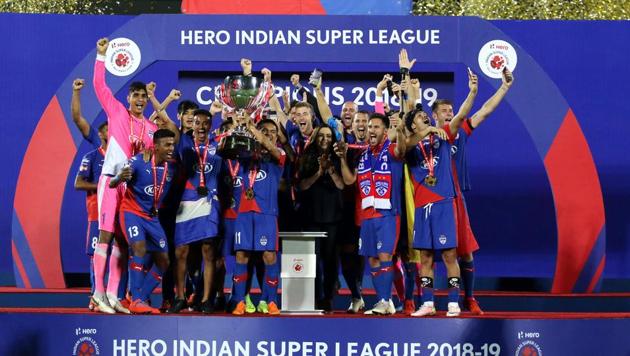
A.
pixel 212 150
pixel 379 245
pixel 162 243
pixel 453 150
pixel 365 187
pixel 360 243
pixel 261 175
pixel 436 160
pixel 442 239
pixel 263 240
pixel 207 168
pixel 150 133
pixel 381 188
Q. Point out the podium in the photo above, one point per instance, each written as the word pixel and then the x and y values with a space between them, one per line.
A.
pixel 299 266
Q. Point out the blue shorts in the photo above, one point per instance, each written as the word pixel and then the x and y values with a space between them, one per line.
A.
pixel 91 237
pixel 435 226
pixel 379 235
pixel 228 237
pixel 196 221
pixel 256 232
pixel 136 229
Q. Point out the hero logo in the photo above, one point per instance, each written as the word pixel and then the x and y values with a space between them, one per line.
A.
pixel 207 168
pixel 122 57
pixel 148 190
pixel 495 55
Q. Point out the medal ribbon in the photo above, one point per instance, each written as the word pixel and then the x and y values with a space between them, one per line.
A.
pixel 157 190
pixel 202 163
pixel 135 144
pixel 428 159
pixel 233 169
pixel 101 151
pixel 252 178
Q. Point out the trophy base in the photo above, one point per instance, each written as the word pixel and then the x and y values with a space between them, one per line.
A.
pixel 238 146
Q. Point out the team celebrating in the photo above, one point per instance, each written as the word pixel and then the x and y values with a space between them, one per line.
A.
pixel 166 208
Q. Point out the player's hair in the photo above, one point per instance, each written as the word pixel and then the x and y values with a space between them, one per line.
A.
pixel 202 112
pixel 137 86
pixel 381 117
pixel 102 126
pixel 162 133
pixel 185 106
pixel 260 123
pixel 361 112
pixel 439 102
pixel 409 118
pixel 303 104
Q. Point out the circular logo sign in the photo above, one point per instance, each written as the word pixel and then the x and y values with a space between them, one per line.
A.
pixel 298 267
pixel 528 348
pixel 122 57
pixel 495 55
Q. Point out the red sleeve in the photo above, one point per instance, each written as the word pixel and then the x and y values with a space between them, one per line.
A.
pixel 392 151
pixel 467 126
pixel 451 137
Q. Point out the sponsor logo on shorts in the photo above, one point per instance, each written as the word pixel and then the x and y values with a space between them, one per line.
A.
pixel 123 58
pixel 494 56
pixel 442 239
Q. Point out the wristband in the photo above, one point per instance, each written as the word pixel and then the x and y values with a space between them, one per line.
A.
pixel 404 71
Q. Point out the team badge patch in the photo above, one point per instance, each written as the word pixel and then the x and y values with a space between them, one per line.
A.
pixel 263 240
pixel 442 239
pixel 381 188
pixel 365 187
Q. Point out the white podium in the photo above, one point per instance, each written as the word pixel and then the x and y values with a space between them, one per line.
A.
pixel 299 266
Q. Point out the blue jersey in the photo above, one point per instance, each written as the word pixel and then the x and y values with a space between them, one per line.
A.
pixel 265 184
pixel 90 171
pixel 139 195
pixel 417 160
pixel 190 165
pixel 458 150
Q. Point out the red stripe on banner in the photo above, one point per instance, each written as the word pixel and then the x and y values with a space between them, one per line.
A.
pixel 598 273
pixel 20 266
pixel 253 7
pixel 39 192
pixel 578 199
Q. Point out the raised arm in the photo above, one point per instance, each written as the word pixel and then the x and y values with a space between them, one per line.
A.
pixel 104 94
pixel 379 105
pixel 492 103
pixel 464 110
pixel 274 103
pixel 341 150
pixel 160 115
pixel 310 98
pixel 75 109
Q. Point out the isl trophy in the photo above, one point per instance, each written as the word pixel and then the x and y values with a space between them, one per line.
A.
pixel 245 95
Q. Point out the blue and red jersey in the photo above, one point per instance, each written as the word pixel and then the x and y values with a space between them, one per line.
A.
pixel 267 173
pixel 139 195
pixel 190 160
pixel 90 171
pixel 396 167
pixel 438 151
pixel 458 151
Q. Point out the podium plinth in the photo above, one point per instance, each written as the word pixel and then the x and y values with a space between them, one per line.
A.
pixel 298 272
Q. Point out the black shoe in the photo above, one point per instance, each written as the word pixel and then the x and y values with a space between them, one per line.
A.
pixel 220 304
pixel 178 305
pixel 207 307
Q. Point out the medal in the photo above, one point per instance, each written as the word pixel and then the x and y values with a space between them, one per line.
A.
pixel 157 189
pixel 249 193
pixel 202 191
pixel 430 180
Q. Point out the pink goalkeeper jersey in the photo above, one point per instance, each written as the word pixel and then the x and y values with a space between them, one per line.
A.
pixel 123 127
